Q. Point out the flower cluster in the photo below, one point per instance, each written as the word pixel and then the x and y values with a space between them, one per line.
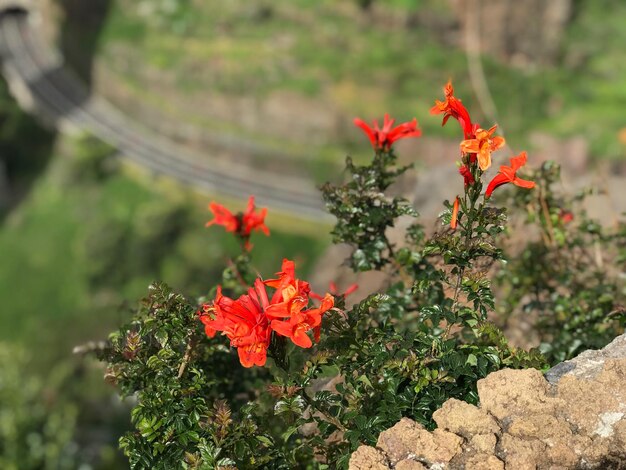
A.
pixel 476 150
pixel 250 320
pixel 383 138
pixel 241 224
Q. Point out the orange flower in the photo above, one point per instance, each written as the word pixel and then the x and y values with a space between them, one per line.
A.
pixel 383 139
pixel 468 177
pixel 483 145
pixel 300 322
pixel 251 221
pixel 241 224
pixel 243 321
pixel 509 175
pixel 455 214
pixel 332 287
pixel 566 216
pixel 452 107
pixel 224 217
pixel 249 321
pixel 287 286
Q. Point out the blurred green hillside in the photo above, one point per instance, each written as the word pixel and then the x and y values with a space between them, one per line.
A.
pixel 90 237
pixel 357 58
pixel 82 235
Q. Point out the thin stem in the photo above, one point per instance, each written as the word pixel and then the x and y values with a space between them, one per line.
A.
pixel 187 357
pixel 469 232
pixel 331 419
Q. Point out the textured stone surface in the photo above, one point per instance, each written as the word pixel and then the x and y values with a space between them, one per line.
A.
pixel 484 462
pixel 368 458
pixel 464 419
pixel 410 465
pixel 508 392
pixel 577 420
pixel 408 439
pixel 589 363
pixel 400 441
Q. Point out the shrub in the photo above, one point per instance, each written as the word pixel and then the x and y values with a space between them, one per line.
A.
pixel 307 379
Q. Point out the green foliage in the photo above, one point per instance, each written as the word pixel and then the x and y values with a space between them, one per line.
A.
pixel 37 421
pixel 569 279
pixel 401 352
pixel 191 395
pixel 364 212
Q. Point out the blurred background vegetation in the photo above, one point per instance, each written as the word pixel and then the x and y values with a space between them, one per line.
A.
pixel 82 235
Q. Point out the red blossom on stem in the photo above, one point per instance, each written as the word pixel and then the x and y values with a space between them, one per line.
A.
pixel 468 177
pixel 566 216
pixel 241 224
pixel 250 320
pixel 455 214
pixel 452 107
pixel 332 288
pixel 482 145
pixel 383 139
pixel 508 174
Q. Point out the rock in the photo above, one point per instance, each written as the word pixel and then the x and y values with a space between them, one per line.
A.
pixel 464 419
pixel 590 363
pixel 485 443
pixel 540 426
pixel 521 453
pixel 508 392
pixel 408 439
pixel 577 420
pixel 595 406
pixel 484 462
pixel 400 441
pixel 409 465
pixel 368 458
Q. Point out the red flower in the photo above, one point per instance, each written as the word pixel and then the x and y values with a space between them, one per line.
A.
pixel 468 177
pixel 241 224
pixel 452 107
pixel 455 214
pixel 249 321
pixel 222 216
pixel 509 175
pixel 332 287
pixel 287 286
pixel 299 322
pixel 483 145
pixel 243 321
pixel 251 221
pixel 383 139
pixel 565 216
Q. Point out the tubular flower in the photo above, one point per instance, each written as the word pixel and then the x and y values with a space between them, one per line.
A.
pixel 332 287
pixel 566 216
pixel 241 224
pixel 248 322
pixel 455 214
pixel 508 175
pixel 299 321
pixel 468 177
pixel 243 321
pixel 483 145
pixel 224 217
pixel 287 286
pixel 452 107
pixel 383 139
pixel 251 221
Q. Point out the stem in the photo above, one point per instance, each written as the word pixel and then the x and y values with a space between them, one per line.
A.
pixel 186 358
pixel 469 232
pixel 278 353
pixel 238 274
pixel 329 418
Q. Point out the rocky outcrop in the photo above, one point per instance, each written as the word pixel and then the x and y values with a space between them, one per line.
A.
pixel 574 417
